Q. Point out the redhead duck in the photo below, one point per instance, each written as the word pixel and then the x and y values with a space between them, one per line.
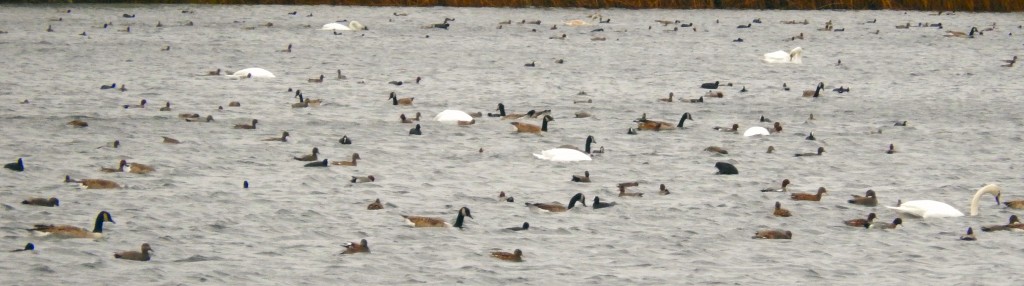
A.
pixel 779 211
pixel 516 256
pixel 356 247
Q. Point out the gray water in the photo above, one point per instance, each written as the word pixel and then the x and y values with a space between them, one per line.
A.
pixel 962 107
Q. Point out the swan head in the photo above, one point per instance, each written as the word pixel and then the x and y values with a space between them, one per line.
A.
pixel 794 54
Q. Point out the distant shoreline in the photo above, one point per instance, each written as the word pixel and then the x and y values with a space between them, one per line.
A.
pixel 922 5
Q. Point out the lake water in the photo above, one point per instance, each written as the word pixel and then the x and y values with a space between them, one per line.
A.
pixel 964 131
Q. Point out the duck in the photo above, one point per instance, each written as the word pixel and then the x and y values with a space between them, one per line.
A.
pixel 18 166
pixel 779 211
pixel 530 64
pixel 167 107
pixel 375 205
pixel 663 190
pixel 421 221
pixel 345 140
pixel 645 124
pixel 809 197
pixel 43 202
pixel 209 118
pixel 408 119
pixel 283 138
pixel 503 198
pixel 142 255
pixel 785 184
pixel 356 247
pixel 302 102
pixel 28 247
pixel 714 94
pixel 631 131
pixel 934 209
pixel 582 114
pixel 234 104
pixel 709 85
pixel 531 128
pixel 969 236
pixel 317 80
pixel 624 193
pixel 860 222
pixel 695 100
pixel 415 130
pixel 1015 204
pixel 810 135
pixel 892 149
pixel 598 204
pixel 716 150
pixel 120 166
pixel 93 183
pixel 525 226
pixel 247 126
pixel 216 72
pixel 310 157
pixel 771 149
pixel 725 168
pixel 868 199
pixel 169 140
pixel 142 104
pixel 355 156
pixel 111 86
pixel 286 50
pixel 362 179
pixel 557 207
pixel 669 99
pixel 816 92
pixel 400 101
pixel 317 164
pixel 884 225
pixel 515 256
pixel 585 178
pixel 773 234
pixel 820 150
pixel 136 168
pixel 734 129
pixel 567 154
pixel 78 123
pixel 628 184
pixel 1013 224
pixel 68 231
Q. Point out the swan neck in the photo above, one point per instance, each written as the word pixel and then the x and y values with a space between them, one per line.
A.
pixel 977 198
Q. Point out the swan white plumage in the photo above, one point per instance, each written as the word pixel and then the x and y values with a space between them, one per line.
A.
pixel 344 26
pixel 756 130
pixel 566 154
pixel 452 115
pixel 784 57
pixel 935 209
pixel 255 72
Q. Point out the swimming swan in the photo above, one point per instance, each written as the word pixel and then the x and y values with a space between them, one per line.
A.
pixel 934 209
pixel 756 130
pixel 566 154
pixel 255 72
pixel 344 26
pixel 783 57
pixel 451 115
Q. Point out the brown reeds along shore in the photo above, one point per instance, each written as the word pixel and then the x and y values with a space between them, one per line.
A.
pixel 926 5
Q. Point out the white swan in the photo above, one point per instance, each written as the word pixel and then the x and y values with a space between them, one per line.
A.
pixel 566 154
pixel 452 115
pixel 255 72
pixel 934 209
pixel 783 57
pixel 756 130
pixel 344 26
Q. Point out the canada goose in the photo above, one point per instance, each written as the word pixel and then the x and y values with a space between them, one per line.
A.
pixel 68 231
pixel 93 183
pixel 557 207
pixel 816 92
pixel 135 255
pixel 420 221
pixel 645 124
pixel 400 101
pixel 530 128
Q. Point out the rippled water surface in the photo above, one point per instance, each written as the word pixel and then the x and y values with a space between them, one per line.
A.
pixel 964 131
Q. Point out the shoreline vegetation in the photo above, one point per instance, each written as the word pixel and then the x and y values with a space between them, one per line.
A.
pixel 925 5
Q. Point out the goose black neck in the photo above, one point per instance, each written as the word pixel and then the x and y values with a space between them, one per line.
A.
pixel 99 222
pixel 501 109
pixel 459 219
pixel 682 120
pixel 544 125
pixel 586 147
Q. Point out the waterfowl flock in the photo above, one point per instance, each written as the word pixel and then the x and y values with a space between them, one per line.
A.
pixel 184 199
